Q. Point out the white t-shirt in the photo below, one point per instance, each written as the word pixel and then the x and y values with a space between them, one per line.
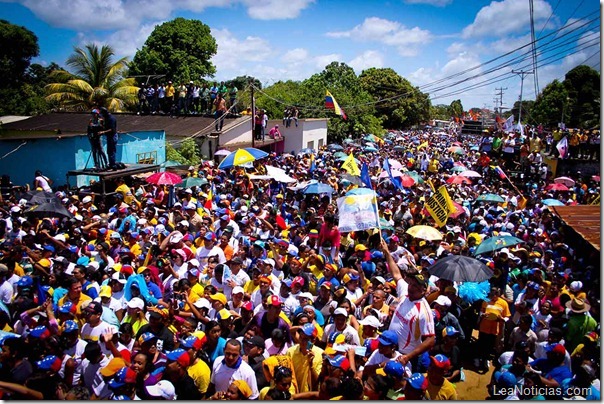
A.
pixel 411 321
pixel 352 336
pixel 92 378
pixel 240 280
pixel 203 254
pixel 223 376
pixel 6 292
pixel 90 333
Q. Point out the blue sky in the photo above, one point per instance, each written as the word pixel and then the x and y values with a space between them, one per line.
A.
pixel 425 41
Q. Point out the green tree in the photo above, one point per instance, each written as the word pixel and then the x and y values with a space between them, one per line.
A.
pixel 18 46
pixel 440 111
pixel 456 108
pixel 180 49
pixel 186 153
pixel 583 86
pixel 527 106
pixel 97 80
pixel 398 103
pixel 550 105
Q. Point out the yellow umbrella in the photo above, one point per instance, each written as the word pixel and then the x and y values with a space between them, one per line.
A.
pixel 425 232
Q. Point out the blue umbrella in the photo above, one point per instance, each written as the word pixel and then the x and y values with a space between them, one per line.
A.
pixel 241 157
pixel 552 202
pixel 318 188
pixel 306 150
pixel 399 148
pixel 370 149
pixel 335 147
pixel 496 243
pixel 360 191
pixel 344 158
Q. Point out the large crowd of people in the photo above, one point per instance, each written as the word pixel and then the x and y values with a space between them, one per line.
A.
pixel 245 288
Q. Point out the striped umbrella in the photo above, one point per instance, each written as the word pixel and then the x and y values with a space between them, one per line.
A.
pixel 242 157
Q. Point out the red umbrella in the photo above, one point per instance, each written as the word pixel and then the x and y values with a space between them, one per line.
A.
pixel 407 181
pixel 556 187
pixel 165 178
pixel 458 179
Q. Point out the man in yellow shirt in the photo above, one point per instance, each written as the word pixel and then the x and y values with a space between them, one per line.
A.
pixel 440 388
pixel 125 190
pixel 307 359
pixel 75 296
pixel 199 371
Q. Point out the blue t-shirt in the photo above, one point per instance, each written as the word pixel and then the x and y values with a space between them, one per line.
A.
pixel 218 351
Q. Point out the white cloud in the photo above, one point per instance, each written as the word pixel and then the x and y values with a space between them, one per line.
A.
pixel 506 17
pixel 421 76
pixel 127 42
pixel 322 61
pixel 437 3
pixel 367 59
pixel 233 52
pixel 375 29
pixel 295 56
pixel 276 9
pixel 85 15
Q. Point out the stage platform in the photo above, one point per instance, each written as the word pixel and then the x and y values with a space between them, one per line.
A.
pixel 131 169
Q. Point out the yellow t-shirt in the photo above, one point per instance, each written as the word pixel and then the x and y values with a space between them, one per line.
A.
pixel 249 287
pixel 200 373
pixel 445 392
pixel 126 192
pixel 83 298
pixel 19 270
pixel 302 367
pixel 136 325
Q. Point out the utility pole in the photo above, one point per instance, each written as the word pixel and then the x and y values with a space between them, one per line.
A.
pixel 500 98
pixel 521 73
pixel 253 115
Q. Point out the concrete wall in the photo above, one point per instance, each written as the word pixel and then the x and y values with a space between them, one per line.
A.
pixel 309 133
pixel 55 156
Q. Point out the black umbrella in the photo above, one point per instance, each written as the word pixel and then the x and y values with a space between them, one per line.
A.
pixel 39 197
pixel 459 268
pixel 47 210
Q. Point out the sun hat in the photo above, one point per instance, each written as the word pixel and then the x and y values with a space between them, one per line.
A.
pixel 578 305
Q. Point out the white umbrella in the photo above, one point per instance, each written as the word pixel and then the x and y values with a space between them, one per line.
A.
pixel 395 173
pixel 279 175
pixel 470 174
pixel 222 152
pixel 395 164
pixel 569 182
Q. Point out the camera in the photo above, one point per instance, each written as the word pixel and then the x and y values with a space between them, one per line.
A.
pixel 162 262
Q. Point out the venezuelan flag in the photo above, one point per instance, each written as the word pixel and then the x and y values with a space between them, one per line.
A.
pixel 331 103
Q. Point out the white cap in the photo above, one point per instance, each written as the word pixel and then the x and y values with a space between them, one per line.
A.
pixel 87 199
pixel 188 191
pixel 443 301
pixel 15 209
pixel 163 389
pixel 269 261
pixel 142 222
pixel 370 321
pixel 193 262
pixel 121 278
pixel 184 223
pixel 94 264
pixel 160 228
pixel 191 205
pixel 202 302
pixel 576 286
pixel 136 303
pixel 60 237
pixel 176 237
pixel 243 208
pixel 306 295
pixel 504 251
pixel 237 289
pixel 340 311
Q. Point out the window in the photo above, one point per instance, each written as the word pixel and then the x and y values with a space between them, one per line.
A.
pixel 320 142
pixel 311 144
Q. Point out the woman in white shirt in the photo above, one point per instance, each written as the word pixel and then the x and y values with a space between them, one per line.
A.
pixel 41 181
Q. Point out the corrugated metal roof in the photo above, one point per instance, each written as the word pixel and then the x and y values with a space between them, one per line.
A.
pixel 584 219
pixel 71 124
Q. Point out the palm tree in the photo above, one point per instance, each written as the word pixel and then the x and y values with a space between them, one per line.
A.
pixel 97 81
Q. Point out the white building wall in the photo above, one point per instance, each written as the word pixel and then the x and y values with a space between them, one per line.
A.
pixel 309 133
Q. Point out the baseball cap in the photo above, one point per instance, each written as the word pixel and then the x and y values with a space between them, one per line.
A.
pixel 287 282
pixel 112 367
pixel 371 321
pixel 339 361
pixel 274 300
pixel 556 348
pixel 237 289
pixel 310 329
pixel 193 342
pixel 249 306
pixel 299 280
pixel 420 279
pixel 25 282
pixel 180 356
pixel 163 389
pixel 235 260
pixel 349 278
pixel 68 308
pixel 136 303
pixel 450 331
pixel 441 361
pixel 176 237
pixel 418 381
pixel 40 332
pixel 123 376
pixel 202 302
pixel 219 297
pixel 120 277
pixel 443 301
pixel 506 379
pixel 50 362
pixel 269 261
pixel 393 368
pixel 223 314
pixel 94 308
pixel 360 247
pixel 105 291
pixel 210 236
pixel 70 326
pixel 388 338
pixel 340 311
pixel 256 341
pixel 146 337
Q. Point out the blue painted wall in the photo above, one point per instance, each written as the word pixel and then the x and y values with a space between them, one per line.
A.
pixel 55 156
